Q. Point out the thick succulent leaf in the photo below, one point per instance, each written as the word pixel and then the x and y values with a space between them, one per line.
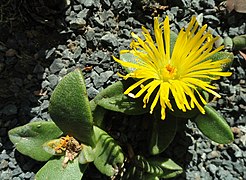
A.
pixel 70 108
pixel 108 154
pixel 86 155
pixel 169 167
pixel 223 55
pixel 214 126
pixel 158 166
pixel 54 170
pixel 128 57
pixel 239 42
pixel 113 98
pixel 162 133
pixel 98 113
pixel 28 139
pixel 133 173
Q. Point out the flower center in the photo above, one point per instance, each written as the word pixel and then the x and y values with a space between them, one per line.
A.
pixel 168 72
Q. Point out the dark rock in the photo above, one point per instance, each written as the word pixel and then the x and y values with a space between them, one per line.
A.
pixel 9 109
pixel 38 69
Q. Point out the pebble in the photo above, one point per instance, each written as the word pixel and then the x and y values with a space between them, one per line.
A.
pixel 110 40
pixel 90 34
pixel 212 168
pixel 56 66
pixel 100 29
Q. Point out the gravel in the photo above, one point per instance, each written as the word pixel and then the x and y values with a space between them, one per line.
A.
pixel 35 54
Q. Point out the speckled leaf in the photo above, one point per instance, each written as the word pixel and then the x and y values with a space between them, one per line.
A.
pixel 54 170
pixel 223 55
pixel 70 108
pixel 214 126
pixel 128 57
pixel 108 154
pixel 161 134
pixel 29 138
pixel 113 98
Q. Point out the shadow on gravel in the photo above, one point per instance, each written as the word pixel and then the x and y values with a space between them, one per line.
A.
pixel 24 42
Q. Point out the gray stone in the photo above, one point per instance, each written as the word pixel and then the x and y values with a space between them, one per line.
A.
pixel 45 84
pixel 11 165
pixel 110 39
pixel 56 66
pixel 38 69
pixel 83 14
pixel 53 79
pixel 77 23
pixel 106 75
pixel 92 92
pixel 213 154
pixel 90 35
pixel 77 53
pixel 16 178
pixel 86 3
pixel 3 164
pixel 233 31
pixel 77 7
pixel 6 175
pixel 45 105
pixel 98 69
pixel 28 175
pixel 212 168
pixel 49 53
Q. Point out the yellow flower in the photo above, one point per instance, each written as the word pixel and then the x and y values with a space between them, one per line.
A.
pixel 181 73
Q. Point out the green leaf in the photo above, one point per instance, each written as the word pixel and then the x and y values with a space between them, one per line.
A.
pixel 173 38
pixel 239 42
pixel 98 113
pixel 133 173
pixel 86 155
pixel 158 166
pixel 214 126
pixel 223 55
pixel 113 98
pixel 28 139
pixel 169 167
pixel 54 170
pixel 70 108
pixel 108 154
pixel 162 133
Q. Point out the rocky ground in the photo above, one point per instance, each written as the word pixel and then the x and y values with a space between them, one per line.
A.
pixel 41 42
